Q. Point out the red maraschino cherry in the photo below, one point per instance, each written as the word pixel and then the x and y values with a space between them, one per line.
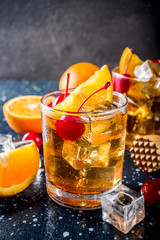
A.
pixel 155 61
pixel 62 96
pixel 71 127
pixel 122 84
pixel 151 189
pixel 31 135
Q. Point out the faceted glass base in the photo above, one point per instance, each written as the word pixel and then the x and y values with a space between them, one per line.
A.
pixel 123 208
pixel 75 200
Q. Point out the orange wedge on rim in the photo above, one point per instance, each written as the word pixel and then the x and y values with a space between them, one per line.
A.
pixel 128 62
pixel 72 102
pixel 18 169
pixel 24 113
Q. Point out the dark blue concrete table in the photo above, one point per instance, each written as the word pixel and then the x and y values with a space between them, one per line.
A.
pixel 32 215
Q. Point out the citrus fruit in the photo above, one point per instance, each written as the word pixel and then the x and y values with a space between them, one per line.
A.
pixel 73 101
pixel 18 168
pixel 23 113
pixel 79 73
pixel 128 62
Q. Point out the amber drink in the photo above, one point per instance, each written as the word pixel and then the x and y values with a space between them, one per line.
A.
pixel 140 81
pixel 79 172
pixel 143 105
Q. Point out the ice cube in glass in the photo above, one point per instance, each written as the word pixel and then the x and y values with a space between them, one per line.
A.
pixel 144 71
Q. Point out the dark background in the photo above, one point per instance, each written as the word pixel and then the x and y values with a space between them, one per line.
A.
pixel 40 39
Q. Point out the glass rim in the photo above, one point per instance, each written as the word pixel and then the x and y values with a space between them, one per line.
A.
pixel 115 71
pixel 106 112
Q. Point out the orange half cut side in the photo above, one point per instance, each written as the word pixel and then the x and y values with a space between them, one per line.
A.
pixel 23 113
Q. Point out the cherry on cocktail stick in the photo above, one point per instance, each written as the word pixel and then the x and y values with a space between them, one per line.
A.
pixel 150 189
pixel 72 127
pixel 31 135
pixel 62 96
pixel 122 84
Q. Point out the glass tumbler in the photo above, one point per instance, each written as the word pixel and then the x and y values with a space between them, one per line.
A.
pixel 143 106
pixel 79 172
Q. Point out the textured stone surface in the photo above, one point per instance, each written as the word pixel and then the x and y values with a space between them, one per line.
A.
pixel 40 39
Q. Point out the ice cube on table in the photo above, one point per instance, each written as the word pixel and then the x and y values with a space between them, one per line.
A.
pixel 146 70
pixel 6 143
pixel 81 154
pixel 123 208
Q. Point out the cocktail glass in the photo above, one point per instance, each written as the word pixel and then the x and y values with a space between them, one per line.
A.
pixel 80 172
pixel 143 105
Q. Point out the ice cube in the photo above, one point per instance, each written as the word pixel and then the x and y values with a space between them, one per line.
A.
pixel 6 143
pixel 100 107
pixel 155 67
pixel 81 154
pixel 145 71
pixel 136 95
pixel 103 106
pixel 123 199
pixel 103 152
pixel 101 124
pixel 123 208
pixel 144 111
pixel 103 178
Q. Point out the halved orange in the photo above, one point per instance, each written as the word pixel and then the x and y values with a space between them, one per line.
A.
pixel 128 62
pixel 24 113
pixel 79 73
pixel 18 169
pixel 72 102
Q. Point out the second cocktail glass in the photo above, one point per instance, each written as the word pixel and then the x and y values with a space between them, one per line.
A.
pixel 143 105
pixel 80 172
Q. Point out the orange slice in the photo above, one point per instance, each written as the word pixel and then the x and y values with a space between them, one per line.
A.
pixel 18 169
pixel 102 126
pixel 72 102
pixel 128 62
pixel 23 114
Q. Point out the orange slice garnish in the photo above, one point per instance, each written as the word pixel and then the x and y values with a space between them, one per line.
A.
pixel 24 113
pixel 128 62
pixel 18 169
pixel 72 102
